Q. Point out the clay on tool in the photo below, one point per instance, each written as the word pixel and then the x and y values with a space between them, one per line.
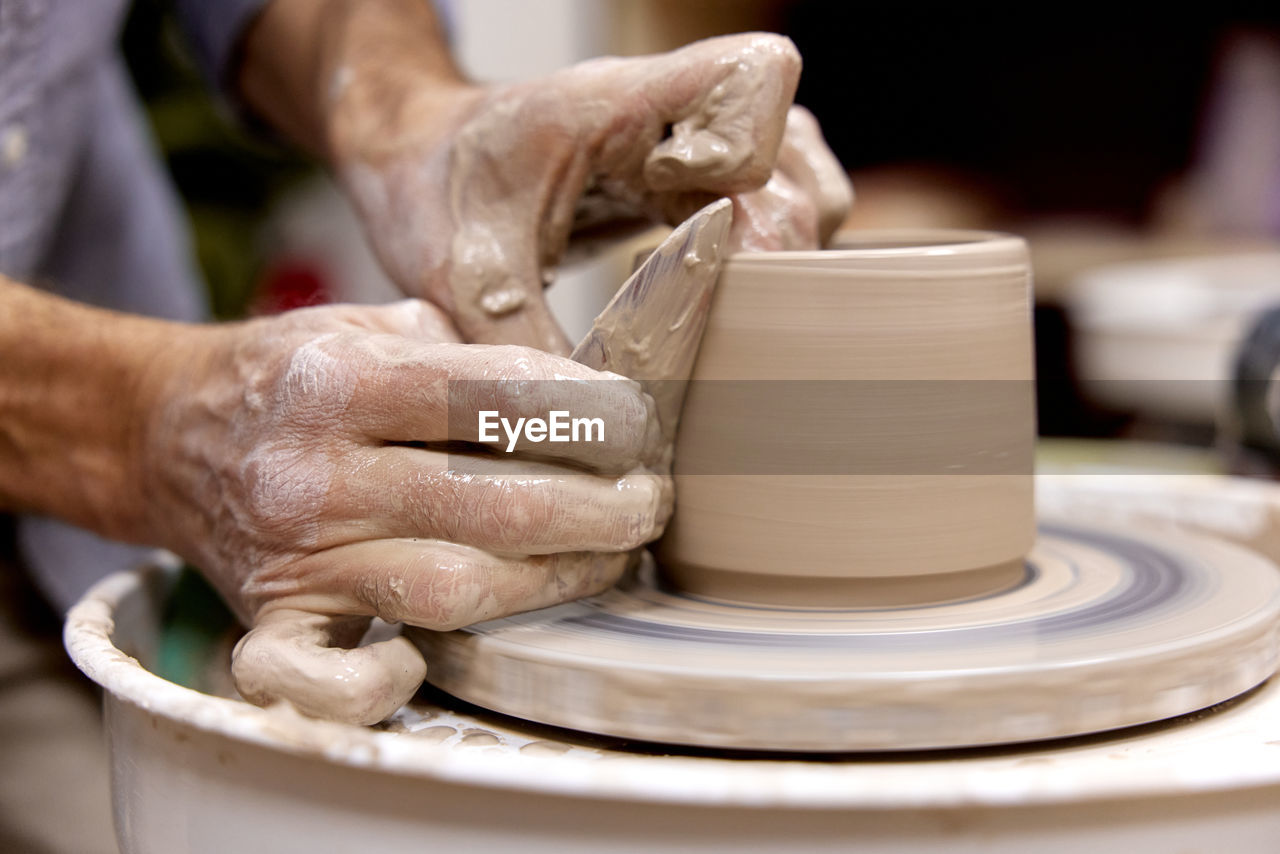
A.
pixel 651 329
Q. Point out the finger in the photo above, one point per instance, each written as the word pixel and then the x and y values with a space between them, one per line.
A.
pixel 778 216
pixel 303 658
pixel 726 100
pixel 506 505
pixel 594 418
pixel 426 393
pixel 412 318
pixel 806 159
pixel 444 586
pixel 524 318
pixel 506 160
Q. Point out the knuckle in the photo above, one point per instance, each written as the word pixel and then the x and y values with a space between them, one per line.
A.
pixel 284 493
pixel 455 595
pixel 518 364
pixel 641 520
pixel 388 594
pixel 639 417
pixel 512 378
pixel 514 516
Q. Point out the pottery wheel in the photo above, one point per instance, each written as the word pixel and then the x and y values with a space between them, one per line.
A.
pixel 1105 628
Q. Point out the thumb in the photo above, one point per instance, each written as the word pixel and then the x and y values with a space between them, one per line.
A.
pixel 311 661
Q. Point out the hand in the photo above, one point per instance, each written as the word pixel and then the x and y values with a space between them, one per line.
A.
pixel 806 199
pixel 295 460
pixel 469 195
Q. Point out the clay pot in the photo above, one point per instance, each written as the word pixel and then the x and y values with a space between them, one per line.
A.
pixel 860 414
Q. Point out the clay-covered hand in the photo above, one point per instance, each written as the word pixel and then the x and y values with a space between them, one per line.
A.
pixel 805 200
pixel 300 461
pixel 470 194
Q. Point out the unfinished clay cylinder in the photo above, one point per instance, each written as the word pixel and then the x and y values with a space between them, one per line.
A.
pixel 860 425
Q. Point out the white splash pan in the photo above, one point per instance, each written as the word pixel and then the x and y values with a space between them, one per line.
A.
pixel 198 773
pixel 1159 338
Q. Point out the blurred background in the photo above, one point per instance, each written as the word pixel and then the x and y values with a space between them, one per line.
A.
pixel 1140 156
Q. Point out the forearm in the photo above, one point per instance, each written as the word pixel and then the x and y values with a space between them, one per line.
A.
pixel 334 74
pixel 74 389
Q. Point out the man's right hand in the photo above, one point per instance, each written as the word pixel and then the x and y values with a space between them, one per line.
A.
pixel 300 461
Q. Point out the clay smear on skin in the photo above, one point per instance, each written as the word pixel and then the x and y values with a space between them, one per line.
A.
pixel 488 242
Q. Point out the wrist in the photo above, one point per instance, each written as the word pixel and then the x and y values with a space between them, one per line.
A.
pixel 344 77
pixel 74 404
pixel 179 423
pixel 386 89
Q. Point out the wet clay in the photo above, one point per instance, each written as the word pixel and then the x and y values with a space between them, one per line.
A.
pixel 306 657
pixel 779 472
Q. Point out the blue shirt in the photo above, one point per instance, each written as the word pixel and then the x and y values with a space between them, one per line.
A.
pixel 85 208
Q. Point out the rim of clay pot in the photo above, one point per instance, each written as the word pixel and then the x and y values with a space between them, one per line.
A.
pixel 853 246
pixel 1217 754
pixel 894 253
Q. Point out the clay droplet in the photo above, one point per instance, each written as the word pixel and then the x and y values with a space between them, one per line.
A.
pixel 436 734
pixel 502 302
pixel 544 748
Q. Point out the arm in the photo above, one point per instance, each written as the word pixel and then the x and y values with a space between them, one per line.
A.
pixel 74 386
pixel 300 59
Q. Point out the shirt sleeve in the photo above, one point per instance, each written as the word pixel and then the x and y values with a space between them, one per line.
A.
pixel 215 28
